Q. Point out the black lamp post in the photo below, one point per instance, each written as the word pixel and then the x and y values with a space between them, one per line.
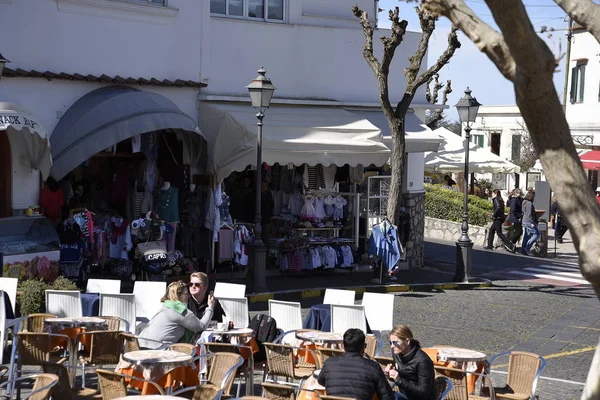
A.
pixel 467 108
pixel 261 91
pixel 3 62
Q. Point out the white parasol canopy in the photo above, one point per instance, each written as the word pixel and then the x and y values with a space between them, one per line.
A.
pixel 451 157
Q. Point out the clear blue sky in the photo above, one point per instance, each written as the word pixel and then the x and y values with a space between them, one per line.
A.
pixel 470 67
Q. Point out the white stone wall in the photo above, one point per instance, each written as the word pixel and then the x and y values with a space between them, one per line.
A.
pixel 439 229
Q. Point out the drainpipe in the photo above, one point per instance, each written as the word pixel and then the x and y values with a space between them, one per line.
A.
pixel 567 66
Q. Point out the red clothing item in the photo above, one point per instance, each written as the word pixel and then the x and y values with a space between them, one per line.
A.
pixel 598 200
pixel 52 203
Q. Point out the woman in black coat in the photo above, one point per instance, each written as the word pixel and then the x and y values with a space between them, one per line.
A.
pixel 496 228
pixel 413 369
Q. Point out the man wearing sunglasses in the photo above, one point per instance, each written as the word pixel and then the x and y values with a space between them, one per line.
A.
pixel 353 375
pixel 198 300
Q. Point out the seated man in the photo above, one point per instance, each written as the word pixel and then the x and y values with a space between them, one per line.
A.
pixel 198 300
pixel 352 375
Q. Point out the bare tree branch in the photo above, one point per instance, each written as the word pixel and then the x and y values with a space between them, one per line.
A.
pixel 483 36
pixel 436 116
pixel 584 12
pixel 390 44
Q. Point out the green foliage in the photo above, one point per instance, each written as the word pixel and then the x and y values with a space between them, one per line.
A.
pixel 455 194
pixel 33 293
pixel 451 209
pixel 33 298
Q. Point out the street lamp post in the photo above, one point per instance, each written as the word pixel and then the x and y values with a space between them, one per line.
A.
pixel 261 91
pixel 467 108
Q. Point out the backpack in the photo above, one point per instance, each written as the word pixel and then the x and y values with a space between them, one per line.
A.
pixel 264 330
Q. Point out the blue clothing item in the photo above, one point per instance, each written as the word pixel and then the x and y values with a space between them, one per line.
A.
pixel 339 256
pixel 531 235
pixel 383 243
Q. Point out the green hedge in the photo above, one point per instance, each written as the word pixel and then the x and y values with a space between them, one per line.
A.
pixel 455 194
pixel 441 206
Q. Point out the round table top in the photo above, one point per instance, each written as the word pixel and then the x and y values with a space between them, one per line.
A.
pixel 233 332
pixel 76 320
pixel 151 397
pixel 318 336
pixel 156 357
pixel 461 355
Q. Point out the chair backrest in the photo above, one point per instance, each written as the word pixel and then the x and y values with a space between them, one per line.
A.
pixel 287 314
pixel 207 392
pixel 64 303
pixel 374 345
pixel 147 299
pixel 131 342
pixel 236 310
pixel 35 322
pixel 2 326
pixel 458 378
pixel 105 347
pixel 119 305
pixel 62 390
pixel 186 348
pixel 280 359
pixel 9 286
pixel 379 309
pixel 111 384
pixel 276 391
pixel 230 290
pixel 112 286
pixel 42 387
pixel 523 369
pixel 344 317
pixel 338 296
pixel 442 386
pixel 325 353
pixel 223 368
pixel 34 348
pixel 383 361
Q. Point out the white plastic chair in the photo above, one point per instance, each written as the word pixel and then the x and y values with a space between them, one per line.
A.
pixel 288 315
pixel 64 303
pixel 345 317
pixel 236 310
pixel 9 286
pixel 147 299
pixel 379 309
pixel 230 290
pixel 119 305
pixel 112 286
pixel 338 296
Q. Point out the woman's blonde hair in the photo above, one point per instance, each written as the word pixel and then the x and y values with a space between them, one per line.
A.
pixel 404 332
pixel 174 291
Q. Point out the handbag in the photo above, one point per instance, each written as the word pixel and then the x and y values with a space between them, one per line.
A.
pixel 153 247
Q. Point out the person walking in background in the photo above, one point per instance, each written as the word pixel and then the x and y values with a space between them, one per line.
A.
pixel 515 203
pixel 530 224
pixel 598 195
pixel 560 227
pixel 498 219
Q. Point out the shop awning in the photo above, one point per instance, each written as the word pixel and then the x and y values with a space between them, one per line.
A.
pixel 292 134
pixel 451 157
pixel 107 116
pixel 419 138
pixel 25 129
pixel 591 160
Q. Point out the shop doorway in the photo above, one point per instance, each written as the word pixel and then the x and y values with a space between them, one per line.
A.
pixel 5 177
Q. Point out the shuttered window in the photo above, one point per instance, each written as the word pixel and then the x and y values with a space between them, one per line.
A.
pixel 578 82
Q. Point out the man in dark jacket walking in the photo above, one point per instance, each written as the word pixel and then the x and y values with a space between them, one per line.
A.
pixel 352 375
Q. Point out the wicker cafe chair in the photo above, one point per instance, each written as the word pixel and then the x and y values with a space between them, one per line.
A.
pixel 324 354
pixel 34 323
pixel 113 386
pixel 275 391
pixel 63 389
pixel 41 388
pixel 105 347
pixel 524 370
pixel 281 362
pixel 222 370
pixel 442 386
pixel 131 342
pixel 459 390
pixel 202 392
pixel 186 348
pixel 247 367
pixel 383 361
pixel 115 323
pixel 373 345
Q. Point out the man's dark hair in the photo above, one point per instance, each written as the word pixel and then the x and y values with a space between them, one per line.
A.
pixel 354 341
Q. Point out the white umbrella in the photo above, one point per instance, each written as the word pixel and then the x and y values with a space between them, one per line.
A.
pixel 451 157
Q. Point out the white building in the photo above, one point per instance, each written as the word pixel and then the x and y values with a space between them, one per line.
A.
pixel 500 129
pixel 157 62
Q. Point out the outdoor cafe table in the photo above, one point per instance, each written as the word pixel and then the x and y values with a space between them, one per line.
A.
pixel 318 337
pixel 73 326
pixel 465 359
pixel 164 367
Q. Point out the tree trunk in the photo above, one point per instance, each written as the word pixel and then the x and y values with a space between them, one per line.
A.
pixel 397 164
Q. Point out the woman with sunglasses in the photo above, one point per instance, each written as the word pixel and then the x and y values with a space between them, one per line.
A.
pixel 412 370
pixel 175 323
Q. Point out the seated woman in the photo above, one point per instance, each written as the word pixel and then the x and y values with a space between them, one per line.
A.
pixel 413 369
pixel 174 323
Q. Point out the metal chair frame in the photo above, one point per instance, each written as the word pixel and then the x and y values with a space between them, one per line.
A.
pixel 537 375
pixel 11 382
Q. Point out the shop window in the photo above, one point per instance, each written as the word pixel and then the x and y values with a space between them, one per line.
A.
pixel 516 147
pixel 477 139
pixel 495 143
pixel 531 178
pixel 266 10
pixel 578 82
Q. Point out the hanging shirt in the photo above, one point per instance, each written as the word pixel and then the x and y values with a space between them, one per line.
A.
pixel 167 204
pixel 120 241
pixel 383 243
pixel 52 202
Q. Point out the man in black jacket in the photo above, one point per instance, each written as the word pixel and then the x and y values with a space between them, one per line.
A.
pixel 197 302
pixel 352 375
